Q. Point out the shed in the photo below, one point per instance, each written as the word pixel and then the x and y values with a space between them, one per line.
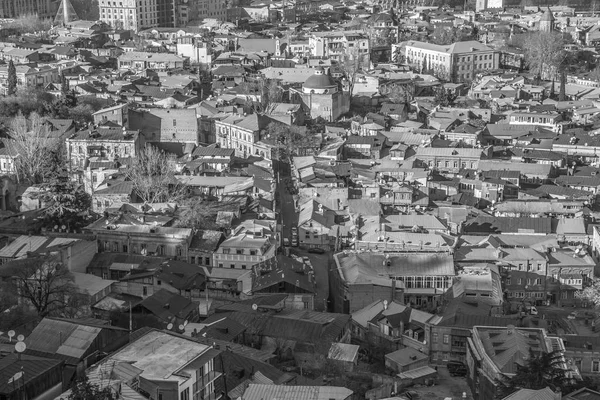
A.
pixel 418 375
pixel 405 359
pixel 344 355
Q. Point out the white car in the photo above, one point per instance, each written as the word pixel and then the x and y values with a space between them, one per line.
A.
pixel 533 310
pixel 573 315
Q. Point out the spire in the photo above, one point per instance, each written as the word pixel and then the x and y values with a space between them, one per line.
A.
pixel 66 13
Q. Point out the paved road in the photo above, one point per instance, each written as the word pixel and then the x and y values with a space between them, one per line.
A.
pixel 288 218
pixel 287 210
pixel 320 263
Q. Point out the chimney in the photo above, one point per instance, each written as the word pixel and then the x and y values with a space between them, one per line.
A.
pixel 393 297
pixel 510 329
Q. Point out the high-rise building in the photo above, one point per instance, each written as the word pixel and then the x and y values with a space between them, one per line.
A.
pixel 16 8
pixel 141 14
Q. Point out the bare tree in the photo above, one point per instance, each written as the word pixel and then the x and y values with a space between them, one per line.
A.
pixel 37 153
pixel 153 177
pixel 545 54
pixel 47 285
pixel 351 63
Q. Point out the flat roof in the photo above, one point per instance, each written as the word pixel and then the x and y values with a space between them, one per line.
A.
pixel 160 355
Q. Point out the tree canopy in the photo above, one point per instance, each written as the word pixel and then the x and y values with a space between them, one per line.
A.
pixel 544 53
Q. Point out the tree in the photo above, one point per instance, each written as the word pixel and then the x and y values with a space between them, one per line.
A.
pixel 65 201
pixel 542 370
pixel 544 53
pixel 443 97
pixel 590 293
pixel 64 84
pixel 197 213
pixel 36 150
pixel 46 284
pixel 291 138
pixel 268 91
pixel 153 177
pixel 11 81
pixel 353 61
pixel 562 95
pixel 83 389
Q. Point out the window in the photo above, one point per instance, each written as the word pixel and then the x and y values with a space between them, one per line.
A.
pixel 174 123
pixel 520 267
pixel 160 250
pixel 446 339
pixel 185 395
pixel 145 290
pixel 179 251
pixel 239 251
pixel 538 281
pixel 539 267
pixel 252 252
pixel 220 265
pixel 595 366
pixel 243 267
pixel 520 281
pixel 206 260
pixel 232 266
pixel 508 282
pixel 434 337
pixel 306 305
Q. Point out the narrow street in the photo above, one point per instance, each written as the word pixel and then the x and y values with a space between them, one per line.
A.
pixel 288 218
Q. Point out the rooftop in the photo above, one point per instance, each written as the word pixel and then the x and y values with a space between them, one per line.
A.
pixel 160 355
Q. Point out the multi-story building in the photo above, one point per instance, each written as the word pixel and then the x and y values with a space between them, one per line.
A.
pixel 29 76
pixel 16 8
pixel 419 279
pixel 188 369
pixel 140 61
pixel 336 45
pixel 244 250
pixel 494 354
pixel 549 120
pixel 458 62
pixel 102 143
pixel 125 14
pixel 144 239
pixel 136 15
pixel 451 159
pixel 241 132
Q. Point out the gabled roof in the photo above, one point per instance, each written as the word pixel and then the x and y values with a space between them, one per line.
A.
pixel 69 340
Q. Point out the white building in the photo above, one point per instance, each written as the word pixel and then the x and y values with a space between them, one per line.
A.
pixel 458 62
pixel 337 44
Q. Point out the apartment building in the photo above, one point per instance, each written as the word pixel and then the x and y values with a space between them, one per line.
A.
pixel 458 62
pixel 169 366
pixel 337 44
pixel 245 250
pixel 242 133
pixel 15 8
pixel 126 14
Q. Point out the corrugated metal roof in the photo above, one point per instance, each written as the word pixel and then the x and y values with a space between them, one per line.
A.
pixel 78 342
pixel 263 392
pixel 32 368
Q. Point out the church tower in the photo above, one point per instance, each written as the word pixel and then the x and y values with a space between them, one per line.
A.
pixel 547 21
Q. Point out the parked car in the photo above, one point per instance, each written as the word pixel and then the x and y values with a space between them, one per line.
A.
pixel 294 231
pixel 316 250
pixel 573 315
pixel 295 241
pixel 531 310
pixel 456 368
pixel 286 241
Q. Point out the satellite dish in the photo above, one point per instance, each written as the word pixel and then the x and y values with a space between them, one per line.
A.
pixel 185 322
pixel 181 327
pixel 170 326
pixel 20 347
pixel 385 304
pixel 11 333
pixel 255 306
pixel 20 338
